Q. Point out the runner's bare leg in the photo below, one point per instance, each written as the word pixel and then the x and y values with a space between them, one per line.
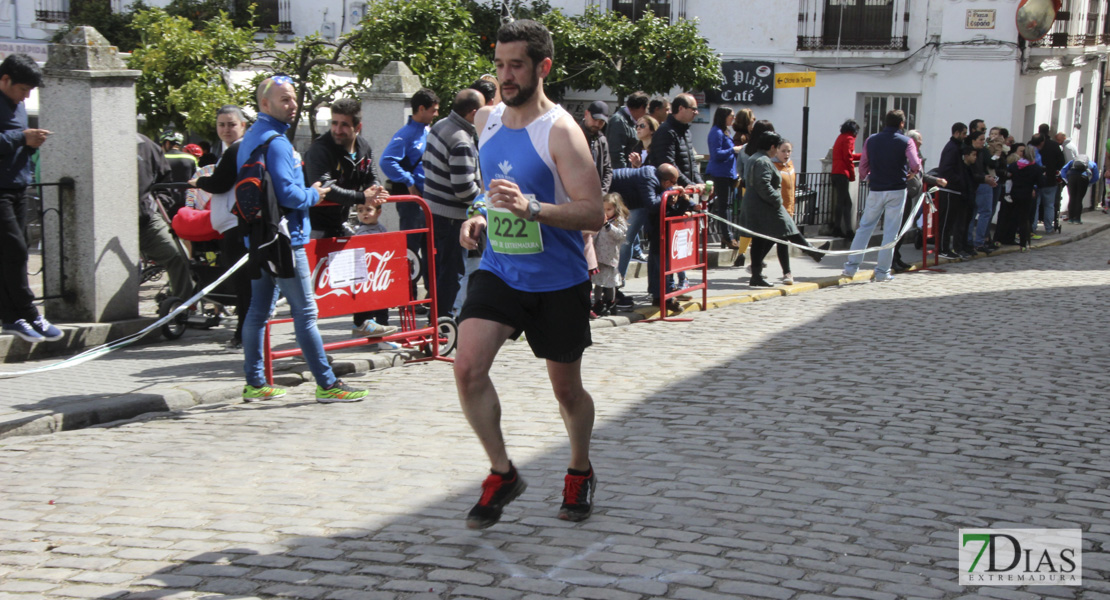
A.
pixel 577 408
pixel 479 342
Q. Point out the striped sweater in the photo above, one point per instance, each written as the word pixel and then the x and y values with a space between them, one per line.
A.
pixel 451 179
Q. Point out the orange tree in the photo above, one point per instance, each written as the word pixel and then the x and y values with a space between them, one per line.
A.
pixel 604 48
pixel 433 37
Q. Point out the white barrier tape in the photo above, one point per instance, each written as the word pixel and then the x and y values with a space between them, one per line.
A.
pixel 749 233
pixel 101 350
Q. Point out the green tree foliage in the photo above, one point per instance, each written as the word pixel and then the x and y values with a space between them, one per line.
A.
pixel 487 18
pixel 604 48
pixel 310 61
pixel 433 37
pixel 199 12
pixel 184 71
pixel 116 27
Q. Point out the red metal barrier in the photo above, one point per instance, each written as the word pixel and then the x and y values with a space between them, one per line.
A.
pixel 683 246
pixel 384 284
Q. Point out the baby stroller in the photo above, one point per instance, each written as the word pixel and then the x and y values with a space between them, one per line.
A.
pixel 198 242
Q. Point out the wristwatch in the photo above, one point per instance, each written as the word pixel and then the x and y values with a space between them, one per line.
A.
pixel 533 209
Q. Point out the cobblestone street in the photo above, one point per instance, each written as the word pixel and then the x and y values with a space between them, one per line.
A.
pixel 829 444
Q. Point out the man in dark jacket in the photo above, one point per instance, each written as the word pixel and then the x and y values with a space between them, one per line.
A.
pixel 1048 197
pixel 593 123
pixel 642 190
pixel 621 131
pixel 981 193
pixel 19 74
pixel 342 160
pixel 952 209
pixel 961 181
pixel 155 242
pixel 672 143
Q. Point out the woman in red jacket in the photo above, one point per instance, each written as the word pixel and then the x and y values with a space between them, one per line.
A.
pixel 844 170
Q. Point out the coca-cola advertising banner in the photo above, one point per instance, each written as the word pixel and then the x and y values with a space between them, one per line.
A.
pixel 683 236
pixel 360 273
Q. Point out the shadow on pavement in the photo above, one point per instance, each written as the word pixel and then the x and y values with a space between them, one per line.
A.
pixel 849 476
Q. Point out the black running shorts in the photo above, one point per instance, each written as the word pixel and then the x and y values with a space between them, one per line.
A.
pixel 556 324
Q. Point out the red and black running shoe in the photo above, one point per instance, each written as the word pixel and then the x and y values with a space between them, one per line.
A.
pixel 578 496
pixel 497 492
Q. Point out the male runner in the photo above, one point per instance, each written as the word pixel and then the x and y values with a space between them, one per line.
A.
pixel 542 192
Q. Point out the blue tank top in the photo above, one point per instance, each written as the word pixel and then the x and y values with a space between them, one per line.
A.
pixel 523 156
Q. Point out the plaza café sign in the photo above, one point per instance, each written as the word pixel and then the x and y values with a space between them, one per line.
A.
pixel 745 82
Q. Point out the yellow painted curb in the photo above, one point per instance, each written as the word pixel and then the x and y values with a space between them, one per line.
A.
pixel 801 287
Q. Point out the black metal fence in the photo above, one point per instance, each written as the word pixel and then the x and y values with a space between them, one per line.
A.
pixel 45 221
pixel 813 198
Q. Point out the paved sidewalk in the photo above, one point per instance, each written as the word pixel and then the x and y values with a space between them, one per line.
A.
pixel 197 370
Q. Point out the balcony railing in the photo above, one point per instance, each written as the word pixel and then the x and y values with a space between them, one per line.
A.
pixel 1066 30
pixel 1068 40
pixel 822 43
pixel 52 11
pixel 853 25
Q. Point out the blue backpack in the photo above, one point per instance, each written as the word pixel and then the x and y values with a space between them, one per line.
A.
pixel 253 187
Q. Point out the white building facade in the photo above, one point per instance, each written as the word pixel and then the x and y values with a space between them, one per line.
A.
pixel 32 22
pixel 941 61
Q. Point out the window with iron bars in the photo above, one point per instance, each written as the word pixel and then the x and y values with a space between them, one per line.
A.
pixel 635 9
pixel 270 14
pixel 52 11
pixel 853 24
pixel 1105 39
pixel 875 107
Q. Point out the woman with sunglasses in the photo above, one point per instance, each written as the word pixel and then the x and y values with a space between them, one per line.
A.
pixel 645 129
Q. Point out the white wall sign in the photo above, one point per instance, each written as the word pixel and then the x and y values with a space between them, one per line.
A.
pixel 980 19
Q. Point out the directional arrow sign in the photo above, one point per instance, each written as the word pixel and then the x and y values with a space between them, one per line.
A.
pixel 793 80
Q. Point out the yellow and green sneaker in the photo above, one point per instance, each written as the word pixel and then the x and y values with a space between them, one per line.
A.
pixel 339 392
pixel 262 392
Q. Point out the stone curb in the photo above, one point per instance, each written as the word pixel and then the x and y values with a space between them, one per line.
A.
pixel 129 406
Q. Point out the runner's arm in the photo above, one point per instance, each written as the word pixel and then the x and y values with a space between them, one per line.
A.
pixel 578 173
pixel 575 164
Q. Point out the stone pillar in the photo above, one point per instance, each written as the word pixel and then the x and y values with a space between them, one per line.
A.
pixel 385 109
pixel 88 101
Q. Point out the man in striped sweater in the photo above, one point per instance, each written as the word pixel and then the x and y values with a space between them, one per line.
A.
pixel 451 183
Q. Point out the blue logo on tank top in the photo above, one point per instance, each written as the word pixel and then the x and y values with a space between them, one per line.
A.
pixel 511 155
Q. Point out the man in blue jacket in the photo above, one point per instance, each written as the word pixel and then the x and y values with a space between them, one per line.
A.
pixel 402 164
pixel 18 76
pixel 641 190
pixel 277 107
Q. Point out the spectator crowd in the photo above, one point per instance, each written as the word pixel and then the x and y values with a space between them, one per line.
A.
pixel 640 150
